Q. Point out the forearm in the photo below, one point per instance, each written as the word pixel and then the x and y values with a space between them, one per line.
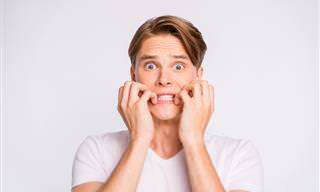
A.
pixel 125 176
pixel 202 174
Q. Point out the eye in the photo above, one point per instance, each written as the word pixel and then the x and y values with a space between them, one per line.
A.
pixel 150 66
pixel 178 66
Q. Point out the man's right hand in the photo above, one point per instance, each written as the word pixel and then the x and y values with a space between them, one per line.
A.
pixel 133 100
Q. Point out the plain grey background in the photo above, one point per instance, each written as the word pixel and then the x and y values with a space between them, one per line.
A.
pixel 63 61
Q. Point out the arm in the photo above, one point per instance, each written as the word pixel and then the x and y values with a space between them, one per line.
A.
pixel 202 174
pixel 199 107
pixel 126 175
pixel 135 113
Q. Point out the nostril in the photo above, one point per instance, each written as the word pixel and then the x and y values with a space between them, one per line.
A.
pixel 165 83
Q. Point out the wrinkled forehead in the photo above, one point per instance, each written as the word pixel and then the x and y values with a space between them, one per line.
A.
pixel 162 46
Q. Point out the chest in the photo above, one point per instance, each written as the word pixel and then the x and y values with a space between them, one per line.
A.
pixel 164 175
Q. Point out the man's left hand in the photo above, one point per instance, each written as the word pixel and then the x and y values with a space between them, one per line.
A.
pixel 198 106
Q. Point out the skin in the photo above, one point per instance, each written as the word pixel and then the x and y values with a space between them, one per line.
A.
pixel 163 66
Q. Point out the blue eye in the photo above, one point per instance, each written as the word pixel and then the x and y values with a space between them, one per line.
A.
pixel 150 66
pixel 179 66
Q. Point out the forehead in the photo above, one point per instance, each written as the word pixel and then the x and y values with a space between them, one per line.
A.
pixel 162 44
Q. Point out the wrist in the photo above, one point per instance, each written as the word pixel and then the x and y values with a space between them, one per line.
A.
pixel 192 139
pixel 140 139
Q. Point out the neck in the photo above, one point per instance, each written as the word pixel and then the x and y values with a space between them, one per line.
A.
pixel 166 140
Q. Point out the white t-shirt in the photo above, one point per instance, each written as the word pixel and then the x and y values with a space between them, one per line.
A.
pixel 236 161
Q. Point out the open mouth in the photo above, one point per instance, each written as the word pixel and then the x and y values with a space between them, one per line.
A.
pixel 165 99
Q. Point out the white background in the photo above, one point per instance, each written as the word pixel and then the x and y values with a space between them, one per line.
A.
pixel 64 60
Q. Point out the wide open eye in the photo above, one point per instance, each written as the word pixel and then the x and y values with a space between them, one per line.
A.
pixel 178 67
pixel 150 66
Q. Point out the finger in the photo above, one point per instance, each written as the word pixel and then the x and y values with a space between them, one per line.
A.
pixel 135 89
pixel 154 98
pixel 120 109
pixel 177 99
pixel 148 95
pixel 211 95
pixel 195 89
pixel 120 95
pixel 185 97
pixel 205 92
pixel 189 89
pixel 122 101
pixel 125 94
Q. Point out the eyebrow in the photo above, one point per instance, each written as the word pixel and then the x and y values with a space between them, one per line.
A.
pixel 145 57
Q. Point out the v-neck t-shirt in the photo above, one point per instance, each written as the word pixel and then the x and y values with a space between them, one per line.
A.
pixel 236 161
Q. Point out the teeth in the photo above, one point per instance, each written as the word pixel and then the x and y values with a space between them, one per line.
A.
pixel 165 97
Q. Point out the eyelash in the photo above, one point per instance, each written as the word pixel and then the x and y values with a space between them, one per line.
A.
pixel 146 66
pixel 183 66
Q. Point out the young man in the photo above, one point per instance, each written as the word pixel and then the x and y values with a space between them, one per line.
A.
pixel 166 107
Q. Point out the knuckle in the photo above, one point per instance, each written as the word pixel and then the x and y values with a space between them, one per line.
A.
pixel 126 83
pixel 134 85
pixel 212 109
pixel 138 105
pixel 122 106
pixel 204 82
pixel 119 108
pixel 198 106
pixel 120 89
pixel 147 92
pixel 207 105
pixel 182 93
pixel 137 83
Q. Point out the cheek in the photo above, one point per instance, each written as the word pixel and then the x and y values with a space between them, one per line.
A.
pixel 185 79
pixel 147 78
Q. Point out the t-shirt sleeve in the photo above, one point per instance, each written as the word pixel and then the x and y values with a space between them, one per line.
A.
pixel 88 163
pixel 246 172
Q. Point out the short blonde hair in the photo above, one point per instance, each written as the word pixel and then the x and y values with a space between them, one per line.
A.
pixel 186 32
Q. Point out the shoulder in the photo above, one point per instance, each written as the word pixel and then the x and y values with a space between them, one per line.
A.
pixel 115 138
pixel 96 156
pixel 237 160
pixel 109 141
pixel 219 143
pixel 220 140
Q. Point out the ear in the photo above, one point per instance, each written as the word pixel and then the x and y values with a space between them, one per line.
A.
pixel 132 73
pixel 199 73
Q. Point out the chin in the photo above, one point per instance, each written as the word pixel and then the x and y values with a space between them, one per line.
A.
pixel 165 112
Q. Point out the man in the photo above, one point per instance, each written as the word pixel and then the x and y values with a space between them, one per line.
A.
pixel 166 107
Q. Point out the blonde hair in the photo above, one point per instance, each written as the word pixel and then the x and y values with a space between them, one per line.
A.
pixel 186 32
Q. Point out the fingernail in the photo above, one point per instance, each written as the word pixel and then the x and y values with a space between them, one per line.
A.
pixel 176 100
pixel 155 100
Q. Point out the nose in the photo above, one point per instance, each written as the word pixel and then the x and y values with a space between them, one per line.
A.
pixel 164 79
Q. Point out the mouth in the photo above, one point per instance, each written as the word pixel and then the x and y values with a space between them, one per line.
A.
pixel 165 99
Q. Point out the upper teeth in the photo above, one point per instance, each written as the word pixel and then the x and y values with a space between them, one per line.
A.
pixel 165 97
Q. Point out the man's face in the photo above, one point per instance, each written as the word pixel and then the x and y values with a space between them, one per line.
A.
pixel 163 65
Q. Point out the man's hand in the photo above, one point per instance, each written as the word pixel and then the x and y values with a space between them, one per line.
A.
pixel 133 100
pixel 198 106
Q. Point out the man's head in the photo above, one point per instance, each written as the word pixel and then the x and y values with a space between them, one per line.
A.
pixel 166 53
pixel 189 36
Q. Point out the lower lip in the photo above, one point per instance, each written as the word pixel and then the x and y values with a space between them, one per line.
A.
pixel 165 102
